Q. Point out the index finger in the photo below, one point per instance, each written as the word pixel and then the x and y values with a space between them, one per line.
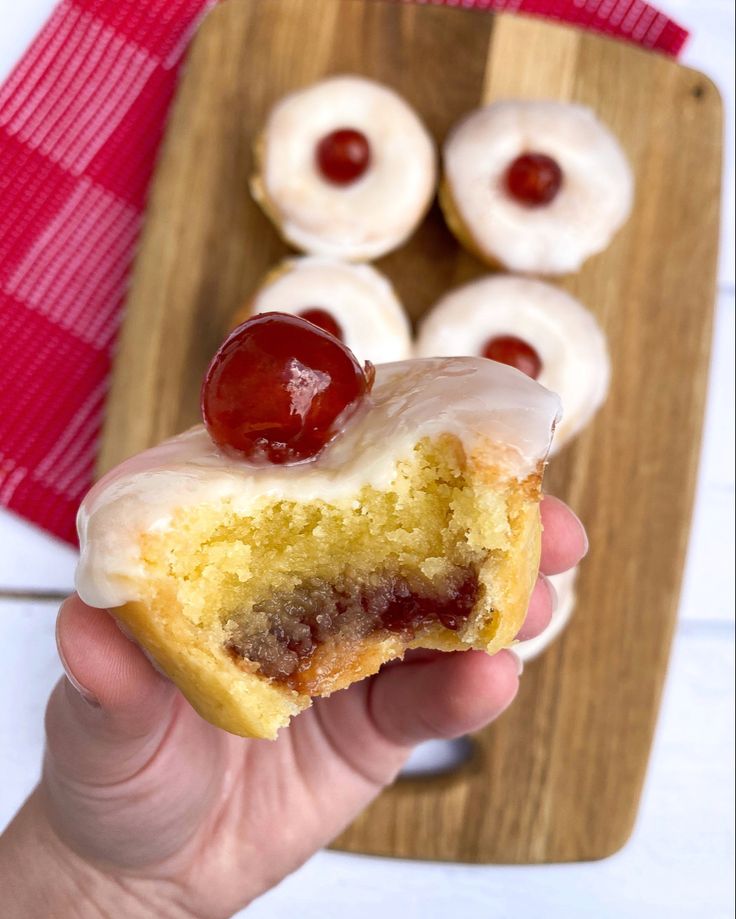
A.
pixel 564 541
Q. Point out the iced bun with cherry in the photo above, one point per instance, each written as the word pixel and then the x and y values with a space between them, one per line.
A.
pixel 535 327
pixel 345 168
pixel 536 187
pixel 356 303
pixel 325 518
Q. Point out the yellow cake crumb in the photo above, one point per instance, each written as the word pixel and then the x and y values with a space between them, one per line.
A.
pixel 213 573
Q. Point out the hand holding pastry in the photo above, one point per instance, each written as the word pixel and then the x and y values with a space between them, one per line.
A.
pixel 389 510
pixel 324 520
pixel 145 809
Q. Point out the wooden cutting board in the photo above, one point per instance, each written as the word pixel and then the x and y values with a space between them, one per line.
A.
pixel 558 778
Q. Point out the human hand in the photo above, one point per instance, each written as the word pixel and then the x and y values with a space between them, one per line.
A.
pixel 144 809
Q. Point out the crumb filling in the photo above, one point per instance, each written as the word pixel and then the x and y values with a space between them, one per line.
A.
pixel 344 613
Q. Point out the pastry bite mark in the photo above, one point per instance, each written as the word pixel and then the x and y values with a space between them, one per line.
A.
pixel 259 587
pixel 309 597
pixel 314 634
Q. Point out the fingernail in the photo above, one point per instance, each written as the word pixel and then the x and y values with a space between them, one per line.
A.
pixel 89 697
pixel 584 534
pixel 84 693
pixel 519 662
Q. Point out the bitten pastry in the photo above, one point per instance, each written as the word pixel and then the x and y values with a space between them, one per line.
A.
pixel 535 327
pixel 354 302
pixel 535 187
pixel 564 585
pixel 321 522
pixel 344 168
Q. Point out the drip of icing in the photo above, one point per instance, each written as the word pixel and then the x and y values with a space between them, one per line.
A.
pixel 496 412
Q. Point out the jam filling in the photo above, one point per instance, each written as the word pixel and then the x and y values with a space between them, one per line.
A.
pixel 318 612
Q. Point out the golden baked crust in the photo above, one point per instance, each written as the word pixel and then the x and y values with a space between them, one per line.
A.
pixel 240 701
pixel 463 235
pixel 229 691
pixel 459 229
pixel 456 224
pixel 258 186
pixel 223 693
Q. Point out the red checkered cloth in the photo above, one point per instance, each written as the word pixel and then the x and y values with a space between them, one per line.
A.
pixel 81 117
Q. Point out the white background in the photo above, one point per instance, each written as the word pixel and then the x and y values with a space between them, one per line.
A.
pixel 679 862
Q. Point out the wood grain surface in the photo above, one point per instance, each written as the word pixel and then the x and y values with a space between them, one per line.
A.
pixel 558 778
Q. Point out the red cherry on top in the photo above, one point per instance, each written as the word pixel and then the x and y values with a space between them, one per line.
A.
pixel 533 179
pixel 279 389
pixel 324 320
pixel 343 156
pixel 506 349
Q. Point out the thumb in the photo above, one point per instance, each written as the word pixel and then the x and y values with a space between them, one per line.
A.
pixel 129 769
pixel 108 716
pixel 374 724
pixel 444 697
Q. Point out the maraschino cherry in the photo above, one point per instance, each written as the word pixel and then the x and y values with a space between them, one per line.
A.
pixel 507 349
pixel 319 317
pixel 279 389
pixel 342 156
pixel 533 179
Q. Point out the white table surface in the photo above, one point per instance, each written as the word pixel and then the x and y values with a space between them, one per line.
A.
pixel 679 862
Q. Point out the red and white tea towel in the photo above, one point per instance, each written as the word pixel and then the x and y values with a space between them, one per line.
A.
pixel 81 118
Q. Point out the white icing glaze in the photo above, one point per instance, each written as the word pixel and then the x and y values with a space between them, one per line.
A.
pixel 564 585
pixel 594 201
pixel 493 409
pixel 565 335
pixel 374 324
pixel 372 215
